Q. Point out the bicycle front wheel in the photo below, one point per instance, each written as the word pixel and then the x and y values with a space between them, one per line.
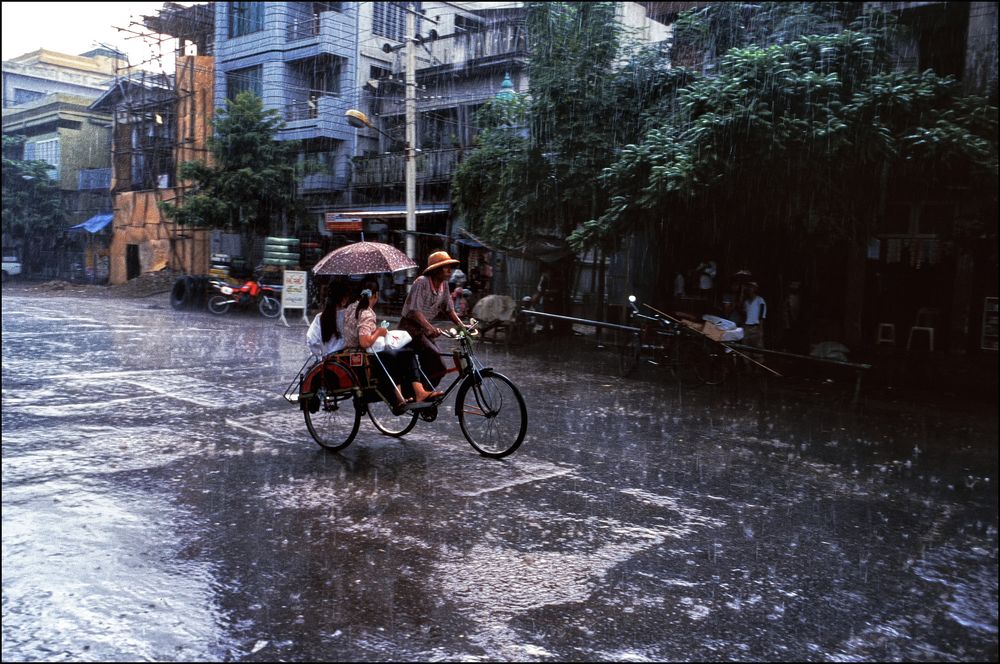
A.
pixel 385 421
pixel 335 424
pixel 269 307
pixel 492 414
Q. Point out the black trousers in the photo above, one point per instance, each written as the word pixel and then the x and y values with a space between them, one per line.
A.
pixel 402 367
pixel 426 350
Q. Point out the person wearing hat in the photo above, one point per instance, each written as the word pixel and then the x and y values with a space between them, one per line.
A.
pixel 429 298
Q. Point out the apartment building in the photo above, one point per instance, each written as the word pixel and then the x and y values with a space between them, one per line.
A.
pixel 312 61
pixel 46 98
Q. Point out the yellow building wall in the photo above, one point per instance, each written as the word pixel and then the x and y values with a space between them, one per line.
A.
pixel 162 243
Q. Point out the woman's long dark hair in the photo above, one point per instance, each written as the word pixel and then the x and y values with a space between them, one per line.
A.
pixel 367 291
pixel 328 319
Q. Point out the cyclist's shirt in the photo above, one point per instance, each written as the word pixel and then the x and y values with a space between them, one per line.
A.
pixel 426 300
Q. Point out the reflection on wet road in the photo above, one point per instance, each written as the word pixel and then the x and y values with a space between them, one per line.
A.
pixel 162 501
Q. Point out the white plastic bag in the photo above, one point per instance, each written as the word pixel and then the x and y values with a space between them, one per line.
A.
pixel 394 339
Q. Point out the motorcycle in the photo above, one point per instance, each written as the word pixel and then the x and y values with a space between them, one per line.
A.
pixel 267 297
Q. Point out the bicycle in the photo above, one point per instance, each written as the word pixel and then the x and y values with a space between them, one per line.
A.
pixel 692 358
pixel 335 392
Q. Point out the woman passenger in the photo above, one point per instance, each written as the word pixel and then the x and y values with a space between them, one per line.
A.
pixel 361 331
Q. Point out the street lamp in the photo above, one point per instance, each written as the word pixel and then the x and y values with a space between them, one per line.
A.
pixel 359 120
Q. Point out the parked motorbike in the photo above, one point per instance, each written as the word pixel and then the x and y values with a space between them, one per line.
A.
pixel 267 297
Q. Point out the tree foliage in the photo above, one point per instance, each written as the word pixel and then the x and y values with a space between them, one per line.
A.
pixel 32 203
pixel 252 180
pixel 797 141
pixel 534 169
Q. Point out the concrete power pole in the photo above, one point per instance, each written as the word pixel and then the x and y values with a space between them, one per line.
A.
pixel 411 131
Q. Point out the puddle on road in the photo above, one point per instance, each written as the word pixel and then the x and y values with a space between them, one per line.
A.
pixel 89 576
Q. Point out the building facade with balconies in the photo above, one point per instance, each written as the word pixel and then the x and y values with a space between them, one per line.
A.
pixel 300 58
pixel 467 53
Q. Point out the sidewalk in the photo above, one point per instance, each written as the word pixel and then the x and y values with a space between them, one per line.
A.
pixel 940 378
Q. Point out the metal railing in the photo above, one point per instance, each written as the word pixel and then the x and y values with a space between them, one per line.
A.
pixel 432 166
pixel 303 109
pixel 303 28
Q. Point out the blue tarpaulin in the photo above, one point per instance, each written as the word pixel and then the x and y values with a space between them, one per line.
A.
pixel 95 223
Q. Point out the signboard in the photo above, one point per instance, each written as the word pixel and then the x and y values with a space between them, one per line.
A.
pixel 295 293
pixel 339 223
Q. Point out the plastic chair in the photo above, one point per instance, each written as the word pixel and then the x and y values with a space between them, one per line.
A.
pixel 886 334
pixel 925 323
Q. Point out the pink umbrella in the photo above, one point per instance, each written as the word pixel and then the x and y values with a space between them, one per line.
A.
pixel 364 258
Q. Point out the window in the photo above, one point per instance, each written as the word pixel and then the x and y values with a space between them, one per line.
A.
pixel 468 24
pixel 439 129
pixel 24 96
pixel 245 18
pixel 240 80
pixel 324 77
pixel 389 20
pixel 324 160
pixel 48 151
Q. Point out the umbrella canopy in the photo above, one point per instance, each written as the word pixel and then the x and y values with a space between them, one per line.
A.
pixel 364 258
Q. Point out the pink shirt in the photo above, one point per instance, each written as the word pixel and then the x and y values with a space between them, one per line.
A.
pixel 426 300
pixel 354 327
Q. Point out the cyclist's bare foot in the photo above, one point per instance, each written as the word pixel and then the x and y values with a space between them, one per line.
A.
pixel 424 395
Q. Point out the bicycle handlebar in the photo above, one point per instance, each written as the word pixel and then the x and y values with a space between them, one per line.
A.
pixel 470 330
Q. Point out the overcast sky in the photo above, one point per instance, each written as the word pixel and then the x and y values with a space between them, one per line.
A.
pixel 76 27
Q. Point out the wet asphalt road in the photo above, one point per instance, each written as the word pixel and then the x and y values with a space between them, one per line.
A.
pixel 161 501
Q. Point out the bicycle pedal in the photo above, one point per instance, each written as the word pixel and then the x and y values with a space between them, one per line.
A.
pixel 419 405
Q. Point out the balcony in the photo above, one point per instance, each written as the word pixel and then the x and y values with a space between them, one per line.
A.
pixel 302 109
pixel 305 27
pixel 493 43
pixel 322 182
pixel 432 166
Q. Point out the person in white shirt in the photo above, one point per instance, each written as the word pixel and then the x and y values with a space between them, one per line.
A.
pixel 706 272
pixel 326 332
pixel 755 312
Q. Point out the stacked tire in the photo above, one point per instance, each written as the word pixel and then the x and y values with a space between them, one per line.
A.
pixel 282 252
pixel 188 292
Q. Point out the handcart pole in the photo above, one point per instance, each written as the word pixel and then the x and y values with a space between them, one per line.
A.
pixel 743 355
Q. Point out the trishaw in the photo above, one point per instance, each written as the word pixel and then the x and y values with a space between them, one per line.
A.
pixel 336 391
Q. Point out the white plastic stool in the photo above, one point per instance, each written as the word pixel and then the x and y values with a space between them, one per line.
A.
pixel 886 334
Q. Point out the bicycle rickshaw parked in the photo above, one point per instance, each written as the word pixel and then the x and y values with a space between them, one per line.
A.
pixel 335 392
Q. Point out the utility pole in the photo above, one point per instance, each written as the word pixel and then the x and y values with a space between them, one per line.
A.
pixel 411 131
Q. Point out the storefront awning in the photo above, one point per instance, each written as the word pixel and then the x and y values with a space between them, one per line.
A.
pixel 388 212
pixel 94 224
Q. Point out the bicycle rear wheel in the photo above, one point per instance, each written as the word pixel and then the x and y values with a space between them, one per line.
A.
pixel 492 414
pixel 689 356
pixel 385 421
pixel 628 354
pixel 713 364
